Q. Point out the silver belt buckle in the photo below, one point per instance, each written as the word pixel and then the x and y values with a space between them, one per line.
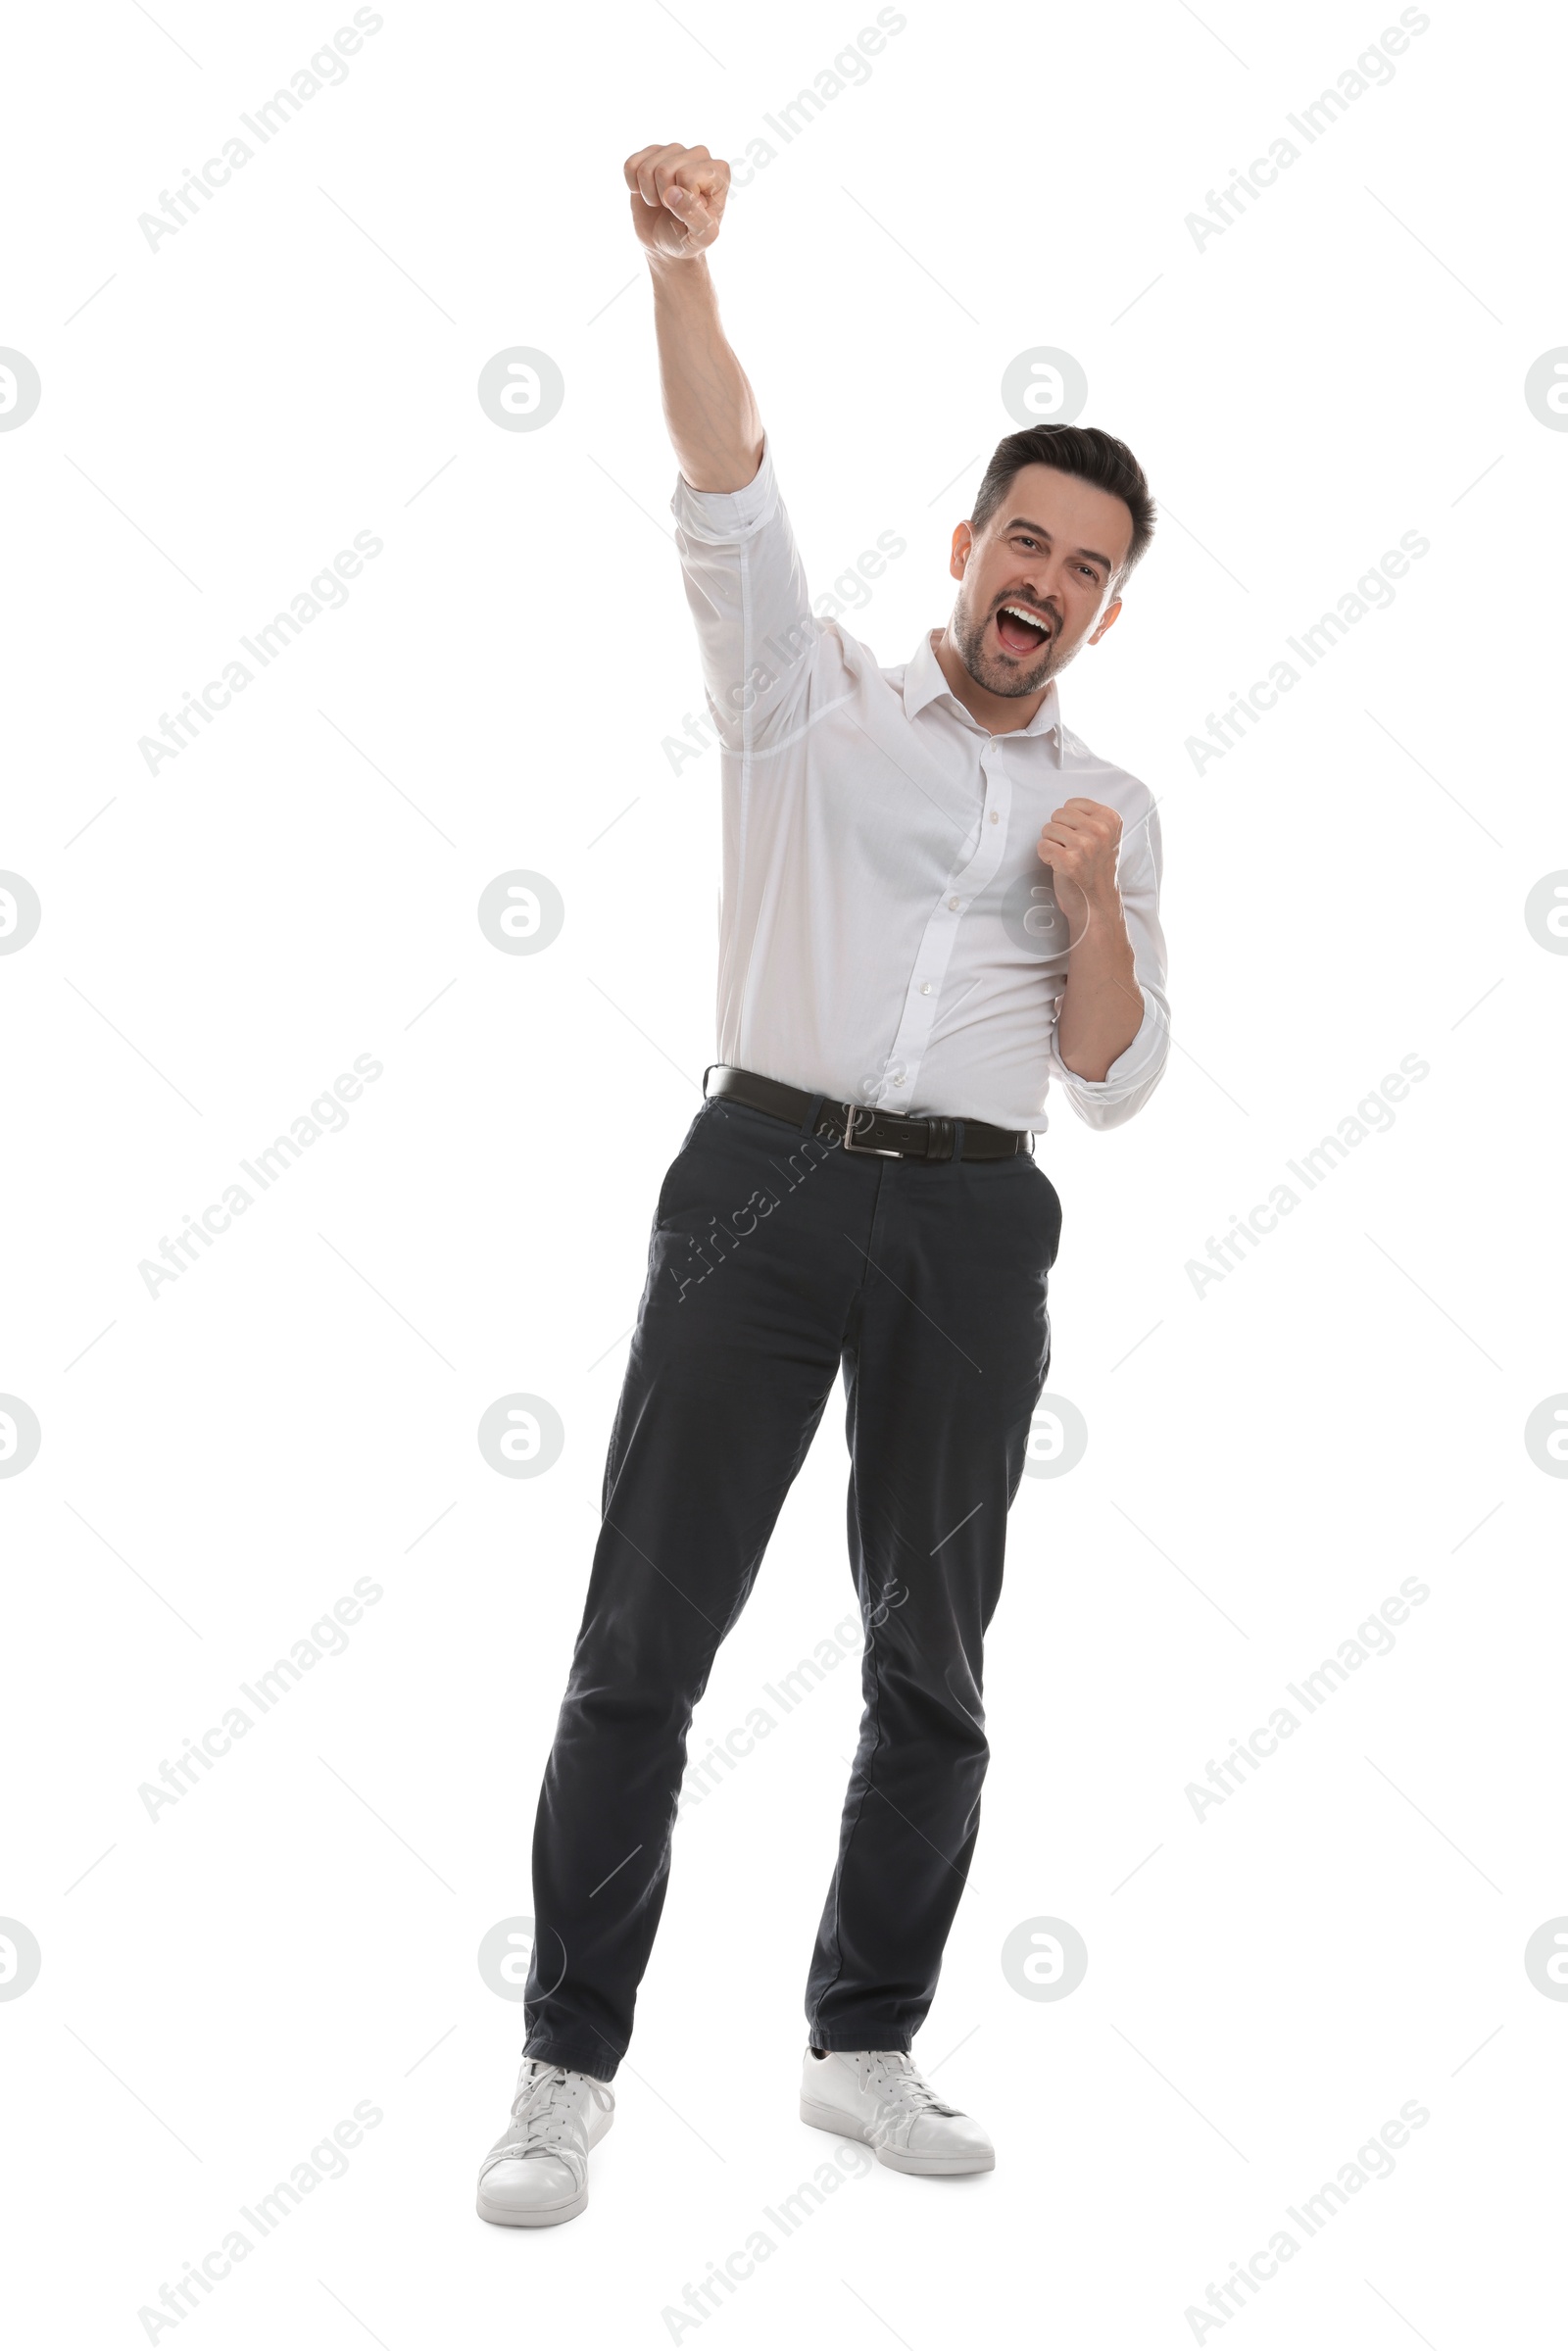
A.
pixel 872 1150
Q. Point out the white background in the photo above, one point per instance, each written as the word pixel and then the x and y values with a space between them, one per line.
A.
pixel 1266 1462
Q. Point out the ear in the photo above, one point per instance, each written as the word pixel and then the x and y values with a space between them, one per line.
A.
pixel 1111 610
pixel 962 548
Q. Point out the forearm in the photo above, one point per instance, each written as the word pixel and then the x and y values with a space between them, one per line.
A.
pixel 1102 1007
pixel 710 408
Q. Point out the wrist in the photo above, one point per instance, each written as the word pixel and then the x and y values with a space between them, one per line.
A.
pixel 1102 900
pixel 1102 937
pixel 677 271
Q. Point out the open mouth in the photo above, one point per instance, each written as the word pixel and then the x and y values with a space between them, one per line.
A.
pixel 1022 630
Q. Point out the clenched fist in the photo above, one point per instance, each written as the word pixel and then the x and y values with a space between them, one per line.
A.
pixel 1081 845
pixel 678 196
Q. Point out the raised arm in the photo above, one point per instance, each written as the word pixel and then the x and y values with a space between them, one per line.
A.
pixel 744 580
pixel 677 202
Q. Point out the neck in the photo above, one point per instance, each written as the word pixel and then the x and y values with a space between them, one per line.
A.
pixel 998 713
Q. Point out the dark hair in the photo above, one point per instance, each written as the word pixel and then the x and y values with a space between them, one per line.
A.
pixel 1080 448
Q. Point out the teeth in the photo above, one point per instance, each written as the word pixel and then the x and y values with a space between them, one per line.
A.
pixel 1020 613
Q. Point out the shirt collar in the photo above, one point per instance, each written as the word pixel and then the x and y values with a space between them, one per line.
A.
pixel 923 682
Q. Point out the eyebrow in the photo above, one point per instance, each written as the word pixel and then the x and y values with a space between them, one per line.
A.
pixel 1022 523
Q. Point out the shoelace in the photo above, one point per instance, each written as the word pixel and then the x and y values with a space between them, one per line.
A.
pixel 544 2109
pixel 902 2092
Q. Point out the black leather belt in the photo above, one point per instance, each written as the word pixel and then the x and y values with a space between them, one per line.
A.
pixel 884 1134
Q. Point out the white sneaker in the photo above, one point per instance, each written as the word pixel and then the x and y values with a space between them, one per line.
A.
pixel 537 2172
pixel 880 2096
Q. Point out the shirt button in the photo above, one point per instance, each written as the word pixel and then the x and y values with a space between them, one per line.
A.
pixel 994 817
pixel 955 904
pixel 898 1081
pixel 925 986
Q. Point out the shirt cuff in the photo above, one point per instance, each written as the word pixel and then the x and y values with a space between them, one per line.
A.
pixel 720 518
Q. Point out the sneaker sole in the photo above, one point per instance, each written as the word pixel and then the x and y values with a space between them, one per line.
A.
pixel 945 2167
pixel 505 2217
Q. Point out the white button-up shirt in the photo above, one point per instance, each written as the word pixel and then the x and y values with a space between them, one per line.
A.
pixel 886 931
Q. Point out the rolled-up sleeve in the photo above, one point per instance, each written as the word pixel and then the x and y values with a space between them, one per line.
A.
pixel 746 587
pixel 1111 1100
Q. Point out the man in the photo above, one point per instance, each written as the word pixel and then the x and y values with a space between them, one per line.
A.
pixel 935 899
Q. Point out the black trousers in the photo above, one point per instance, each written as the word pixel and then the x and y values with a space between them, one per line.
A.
pixel 775 1259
